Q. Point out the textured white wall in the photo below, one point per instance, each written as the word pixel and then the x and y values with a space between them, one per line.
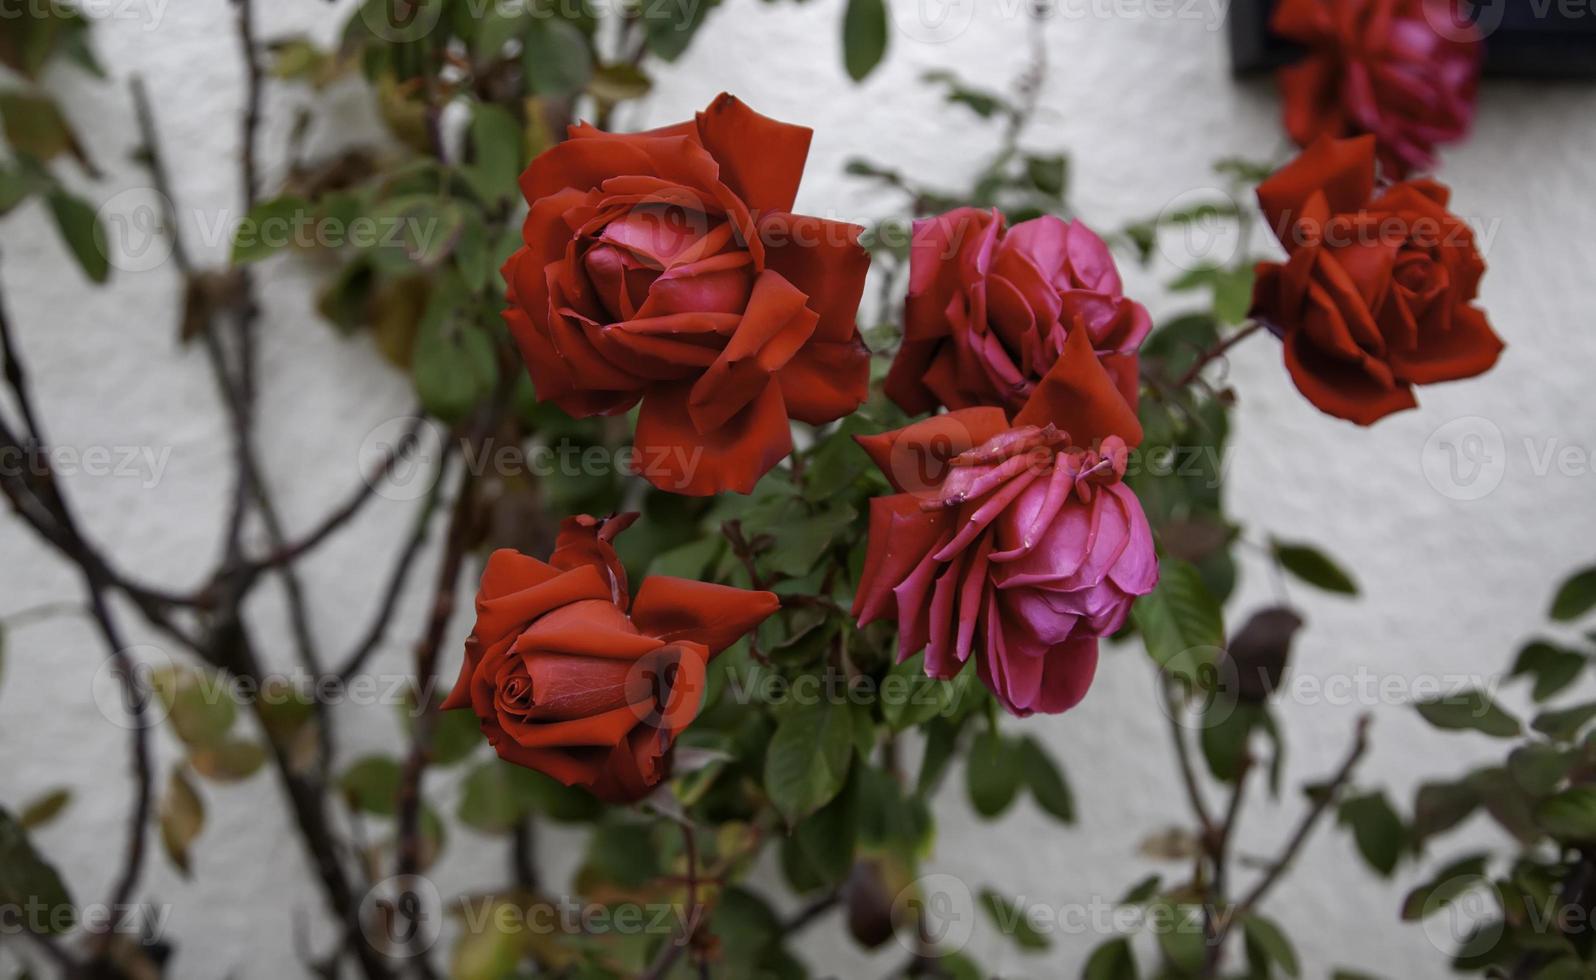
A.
pixel 1143 103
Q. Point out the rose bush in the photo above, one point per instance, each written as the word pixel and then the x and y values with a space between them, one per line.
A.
pixel 666 267
pixel 1383 68
pixel 1377 292
pixel 572 677
pixel 989 310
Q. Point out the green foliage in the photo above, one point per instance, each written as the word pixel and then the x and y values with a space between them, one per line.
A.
pixel 1314 567
pixel 28 881
pixel 1473 710
pixel 864 37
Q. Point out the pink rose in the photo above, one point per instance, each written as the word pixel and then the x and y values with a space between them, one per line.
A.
pixel 1008 543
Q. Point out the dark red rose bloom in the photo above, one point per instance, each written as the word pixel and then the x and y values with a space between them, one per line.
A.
pixel 667 267
pixel 1402 71
pixel 989 310
pixel 1008 545
pixel 1377 292
pixel 571 676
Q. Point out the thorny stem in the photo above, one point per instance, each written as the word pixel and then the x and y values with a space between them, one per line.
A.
pixel 1216 352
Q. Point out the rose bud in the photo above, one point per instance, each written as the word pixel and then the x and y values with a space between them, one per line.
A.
pixel 1377 293
pixel 572 677
pixel 989 311
pixel 1403 71
pixel 666 267
pixel 1009 543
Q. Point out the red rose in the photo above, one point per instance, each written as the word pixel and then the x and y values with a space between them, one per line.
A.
pixel 1377 292
pixel 989 311
pixel 1381 67
pixel 1006 544
pixel 666 267
pixel 573 678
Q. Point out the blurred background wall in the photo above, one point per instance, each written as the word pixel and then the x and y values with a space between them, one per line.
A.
pixel 1143 103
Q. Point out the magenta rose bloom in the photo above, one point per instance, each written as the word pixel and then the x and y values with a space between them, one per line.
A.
pixel 989 311
pixel 1008 543
pixel 1381 67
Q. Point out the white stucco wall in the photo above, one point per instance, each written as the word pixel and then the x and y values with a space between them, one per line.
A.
pixel 1143 103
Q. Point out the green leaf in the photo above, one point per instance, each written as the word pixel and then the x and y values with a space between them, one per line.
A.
pixel 828 837
pixel 45 809
pixel 1438 807
pixel 28 881
pixel 200 708
pixel 1445 885
pixel 1180 621
pixel 496 142
pixel 1565 724
pixel 182 815
pixel 1576 597
pixel 1183 943
pixel 557 60
pixel 806 763
pixel 416 229
pixel 1570 816
pixel 992 773
pixel 453 365
pixel 619 82
pixel 1046 780
pixel 1377 830
pixel 1470 710
pixel 1050 174
pixel 1010 919
pixel 1553 668
pixel 34 125
pixel 1267 944
pixel 800 544
pixel 1226 730
pixel 909 698
pixel 229 760
pixel 668 28
pixel 1538 767
pixel 1113 960
pixel 80 228
pixel 1314 567
pixel 371 785
pixel 864 37
pixel 495 798
pixel 268 227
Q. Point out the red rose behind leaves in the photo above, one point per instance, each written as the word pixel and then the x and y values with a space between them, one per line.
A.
pixel 1403 71
pixel 1007 544
pixel 989 310
pixel 666 267
pixel 1377 292
pixel 572 677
